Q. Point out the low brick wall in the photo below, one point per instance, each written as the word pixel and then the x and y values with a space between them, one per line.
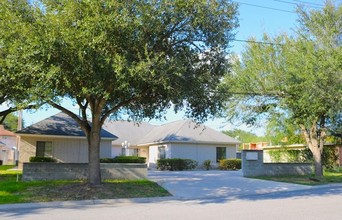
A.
pixel 253 165
pixel 79 171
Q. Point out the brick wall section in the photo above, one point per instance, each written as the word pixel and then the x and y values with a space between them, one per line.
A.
pixel 255 166
pixel 79 171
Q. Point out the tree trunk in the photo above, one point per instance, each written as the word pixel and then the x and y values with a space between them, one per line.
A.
pixel 317 155
pixel 315 146
pixel 94 139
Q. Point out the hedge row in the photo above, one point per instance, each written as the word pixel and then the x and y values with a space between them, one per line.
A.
pixel 230 164
pixel 43 159
pixel 176 164
pixel 124 159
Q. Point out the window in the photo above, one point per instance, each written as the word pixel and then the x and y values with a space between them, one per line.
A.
pixel 161 152
pixel 220 153
pixel 44 149
pixel 135 152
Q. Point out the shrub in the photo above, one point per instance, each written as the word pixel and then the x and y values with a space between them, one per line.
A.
pixel 43 159
pixel 176 164
pixel 123 159
pixel 230 164
pixel 207 164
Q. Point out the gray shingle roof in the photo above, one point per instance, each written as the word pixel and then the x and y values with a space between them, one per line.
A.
pixel 61 125
pixel 186 131
pixel 128 131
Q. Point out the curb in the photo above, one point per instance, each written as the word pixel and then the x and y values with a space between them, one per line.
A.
pixel 82 203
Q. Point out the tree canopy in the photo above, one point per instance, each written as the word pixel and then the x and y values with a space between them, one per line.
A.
pixel 296 77
pixel 121 57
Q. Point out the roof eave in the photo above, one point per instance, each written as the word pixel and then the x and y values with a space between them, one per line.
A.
pixel 188 142
pixel 61 136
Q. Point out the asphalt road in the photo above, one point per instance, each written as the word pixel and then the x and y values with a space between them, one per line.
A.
pixel 237 200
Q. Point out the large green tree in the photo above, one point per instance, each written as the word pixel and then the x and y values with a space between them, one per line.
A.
pixel 16 75
pixel 134 57
pixel 298 77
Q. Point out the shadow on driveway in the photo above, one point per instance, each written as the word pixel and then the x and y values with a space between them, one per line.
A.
pixel 221 186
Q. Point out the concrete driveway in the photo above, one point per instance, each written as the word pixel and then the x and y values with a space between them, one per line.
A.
pixel 215 184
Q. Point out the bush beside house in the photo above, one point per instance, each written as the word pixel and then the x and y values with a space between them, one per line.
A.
pixel 174 164
pixel 124 159
pixel 43 159
pixel 230 164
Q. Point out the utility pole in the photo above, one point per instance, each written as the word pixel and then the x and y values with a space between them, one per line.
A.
pixel 20 120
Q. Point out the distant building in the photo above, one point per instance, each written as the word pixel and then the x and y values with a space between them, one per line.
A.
pixel 8 146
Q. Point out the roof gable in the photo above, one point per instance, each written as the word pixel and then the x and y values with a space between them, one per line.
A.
pixel 59 125
pixel 128 131
pixel 4 132
pixel 186 131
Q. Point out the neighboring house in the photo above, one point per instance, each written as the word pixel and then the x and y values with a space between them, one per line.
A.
pixel 8 146
pixel 180 139
pixel 59 136
pixel 268 151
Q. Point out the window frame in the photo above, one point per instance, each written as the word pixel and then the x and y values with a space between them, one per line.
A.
pixel 44 149
pixel 161 152
pixel 221 153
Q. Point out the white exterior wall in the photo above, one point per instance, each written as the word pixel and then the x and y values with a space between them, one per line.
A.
pixel 231 152
pixel 7 154
pixel 67 150
pixel 200 152
pixel 153 154
pixel 116 151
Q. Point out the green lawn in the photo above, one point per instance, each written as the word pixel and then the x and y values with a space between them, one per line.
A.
pixel 13 190
pixel 330 176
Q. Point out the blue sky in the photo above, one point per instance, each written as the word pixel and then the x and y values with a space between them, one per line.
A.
pixel 255 17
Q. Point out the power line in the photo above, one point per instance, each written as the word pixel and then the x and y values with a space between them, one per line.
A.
pixel 256 42
pixel 297 4
pixel 265 7
pixel 309 3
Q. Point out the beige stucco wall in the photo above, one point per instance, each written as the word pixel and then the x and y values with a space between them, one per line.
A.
pixel 67 150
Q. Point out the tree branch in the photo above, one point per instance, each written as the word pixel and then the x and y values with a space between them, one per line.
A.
pixel 83 123
pixel 5 113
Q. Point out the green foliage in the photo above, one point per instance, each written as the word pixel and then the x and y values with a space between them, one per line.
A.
pixel 207 164
pixel 6 167
pixel 11 122
pixel 43 159
pixel 174 164
pixel 116 58
pixel 230 164
pixel 297 78
pixel 280 131
pixel 329 156
pixel 124 159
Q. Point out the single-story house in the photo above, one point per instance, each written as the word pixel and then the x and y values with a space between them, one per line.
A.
pixel 8 146
pixel 179 139
pixel 59 136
